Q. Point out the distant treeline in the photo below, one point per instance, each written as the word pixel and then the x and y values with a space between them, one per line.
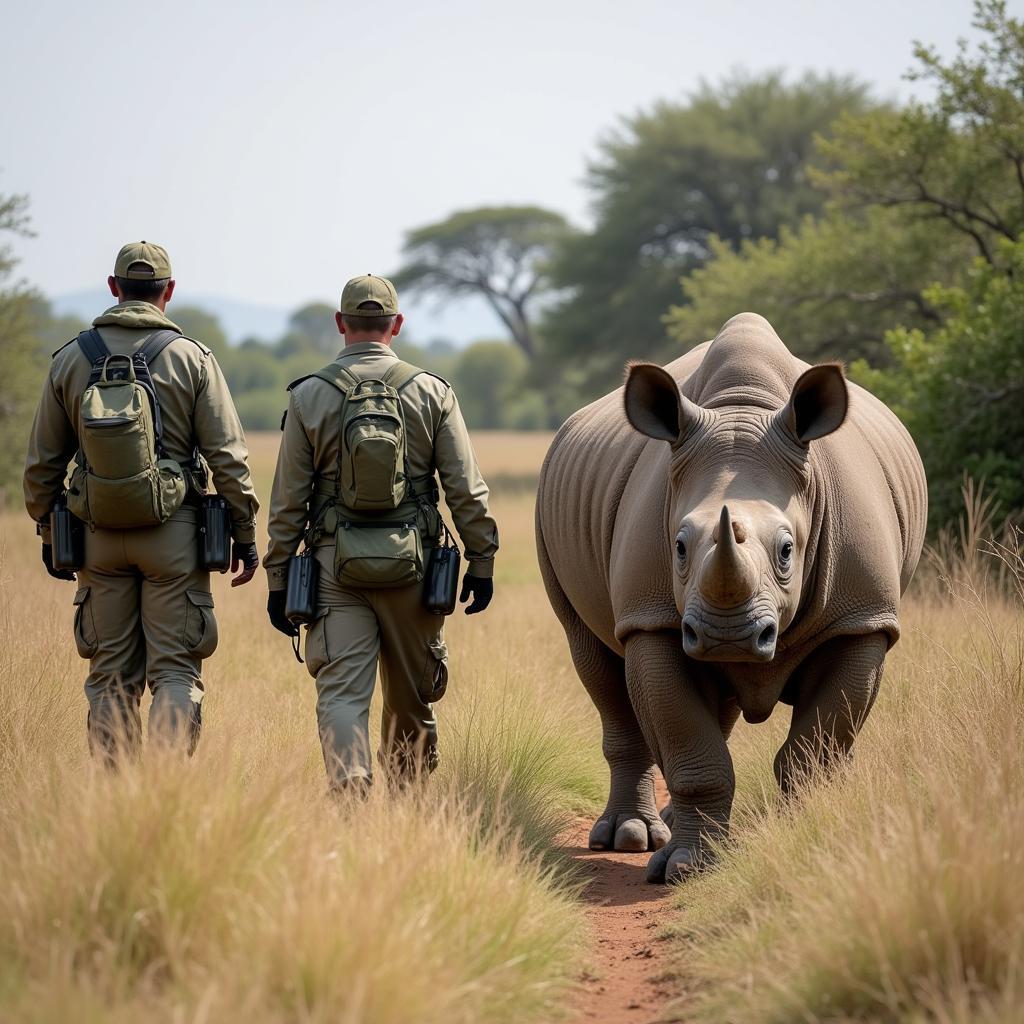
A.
pixel 887 237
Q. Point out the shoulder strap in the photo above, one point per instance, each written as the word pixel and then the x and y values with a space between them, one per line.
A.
pixel 399 375
pixel 92 345
pixel 337 375
pixel 156 343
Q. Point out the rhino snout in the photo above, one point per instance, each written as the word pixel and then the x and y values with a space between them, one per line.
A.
pixel 712 639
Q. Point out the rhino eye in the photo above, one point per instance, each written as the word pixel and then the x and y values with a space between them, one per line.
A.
pixel 785 553
pixel 681 549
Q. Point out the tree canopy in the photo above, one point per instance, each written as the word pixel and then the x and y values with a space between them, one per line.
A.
pixel 729 164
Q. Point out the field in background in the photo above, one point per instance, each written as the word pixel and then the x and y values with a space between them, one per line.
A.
pixel 229 888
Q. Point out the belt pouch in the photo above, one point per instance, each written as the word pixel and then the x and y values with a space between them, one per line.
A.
pixel 214 534
pixel 67 534
pixel 441 580
pixel 300 599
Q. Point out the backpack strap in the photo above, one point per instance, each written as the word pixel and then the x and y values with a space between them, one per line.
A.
pixel 401 374
pixel 337 375
pixel 92 345
pixel 156 343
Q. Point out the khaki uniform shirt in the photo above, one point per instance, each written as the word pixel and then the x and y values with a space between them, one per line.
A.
pixel 437 440
pixel 195 406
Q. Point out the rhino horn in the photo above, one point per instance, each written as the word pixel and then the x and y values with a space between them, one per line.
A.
pixel 728 577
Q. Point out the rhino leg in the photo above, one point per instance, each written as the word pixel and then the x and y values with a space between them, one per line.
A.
pixel 836 688
pixel 682 722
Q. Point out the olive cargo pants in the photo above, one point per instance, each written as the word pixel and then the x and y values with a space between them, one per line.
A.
pixel 144 612
pixel 355 629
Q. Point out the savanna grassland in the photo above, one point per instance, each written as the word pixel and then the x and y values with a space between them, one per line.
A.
pixel 230 888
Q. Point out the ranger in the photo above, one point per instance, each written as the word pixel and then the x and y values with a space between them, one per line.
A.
pixel 135 392
pixel 362 491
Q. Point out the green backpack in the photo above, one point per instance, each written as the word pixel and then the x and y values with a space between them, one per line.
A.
pixel 123 478
pixel 372 464
pixel 373 477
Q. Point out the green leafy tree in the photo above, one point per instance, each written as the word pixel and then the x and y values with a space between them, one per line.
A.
pixel 202 325
pixel 731 163
pixel 959 387
pixel 957 158
pixel 831 288
pixel 499 254
pixel 488 376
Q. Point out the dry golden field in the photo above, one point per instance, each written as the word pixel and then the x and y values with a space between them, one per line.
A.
pixel 229 888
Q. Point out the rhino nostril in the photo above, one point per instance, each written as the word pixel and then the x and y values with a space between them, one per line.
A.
pixel 689 635
pixel 766 638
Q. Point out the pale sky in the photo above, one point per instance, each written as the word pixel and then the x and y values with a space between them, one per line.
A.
pixel 278 148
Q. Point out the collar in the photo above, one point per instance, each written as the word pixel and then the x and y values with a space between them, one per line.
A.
pixel 360 348
pixel 135 315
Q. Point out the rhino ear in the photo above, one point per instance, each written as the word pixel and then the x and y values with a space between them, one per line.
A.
pixel 818 403
pixel 653 403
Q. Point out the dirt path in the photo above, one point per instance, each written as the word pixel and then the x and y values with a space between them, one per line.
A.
pixel 625 913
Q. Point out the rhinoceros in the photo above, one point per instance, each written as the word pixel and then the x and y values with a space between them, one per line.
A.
pixel 730 531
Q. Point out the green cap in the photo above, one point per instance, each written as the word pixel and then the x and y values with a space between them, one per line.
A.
pixel 369 288
pixel 142 261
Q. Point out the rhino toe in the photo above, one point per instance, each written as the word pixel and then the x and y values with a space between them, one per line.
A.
pixel 631 836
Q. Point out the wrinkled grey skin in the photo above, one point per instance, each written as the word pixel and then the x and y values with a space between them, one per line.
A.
pixel 720 535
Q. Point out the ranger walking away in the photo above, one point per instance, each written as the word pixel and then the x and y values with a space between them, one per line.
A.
pixel 147 416
pixel 363 443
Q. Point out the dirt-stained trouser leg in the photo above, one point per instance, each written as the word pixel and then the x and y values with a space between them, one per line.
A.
pixel 836 688
pixel 682 722
pixel 108 631
pixel 179 625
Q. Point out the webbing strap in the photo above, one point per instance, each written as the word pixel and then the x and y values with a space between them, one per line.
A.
pixel 337 375
pixel 401 374
pixel 156 343
pixel 92 345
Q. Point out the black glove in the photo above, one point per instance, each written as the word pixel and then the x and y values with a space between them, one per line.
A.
pixel 275 609
pixel 57 574
pixel 246 556
pixel 481 589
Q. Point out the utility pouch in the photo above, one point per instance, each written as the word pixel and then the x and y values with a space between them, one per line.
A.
pixel 441 579
pixel 67 535
pixel 214 534
pixel 300 599
pixel 378 555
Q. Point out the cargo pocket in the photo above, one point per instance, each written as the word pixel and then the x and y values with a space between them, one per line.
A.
pixel 317 655
pixel 85 627
pixel 435 672
pixel 200 625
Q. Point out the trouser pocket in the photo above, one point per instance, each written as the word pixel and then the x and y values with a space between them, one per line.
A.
pixel 434 680
pixel 317 655
pixel 200 634
pixel 85 628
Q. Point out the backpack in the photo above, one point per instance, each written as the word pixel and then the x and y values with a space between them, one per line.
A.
pixel 373 470
pixel 123 478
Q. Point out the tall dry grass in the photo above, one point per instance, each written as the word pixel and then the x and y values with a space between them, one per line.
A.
pixel 892 890
pixel 230 887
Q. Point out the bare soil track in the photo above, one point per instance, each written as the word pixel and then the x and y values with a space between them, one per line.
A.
pixel 627 982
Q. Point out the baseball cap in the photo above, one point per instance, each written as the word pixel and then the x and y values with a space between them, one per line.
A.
pixel 369 288
pixel 142 261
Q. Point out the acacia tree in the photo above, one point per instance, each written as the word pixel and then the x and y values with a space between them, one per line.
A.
pixel 500 254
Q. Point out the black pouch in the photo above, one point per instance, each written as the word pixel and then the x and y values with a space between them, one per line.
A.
pixel 441 578
pixel 214 534
pixel 300 599
pixel 67 535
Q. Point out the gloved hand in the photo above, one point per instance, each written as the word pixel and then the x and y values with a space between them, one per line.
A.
pixel 250 560
pixel 275 609
pixel 57 574
pixel 481 589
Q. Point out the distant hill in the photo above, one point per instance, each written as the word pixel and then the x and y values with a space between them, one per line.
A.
pixel 464 322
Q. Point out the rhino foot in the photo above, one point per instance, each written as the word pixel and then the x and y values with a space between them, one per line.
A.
pixel 674 863
pixel 628 831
